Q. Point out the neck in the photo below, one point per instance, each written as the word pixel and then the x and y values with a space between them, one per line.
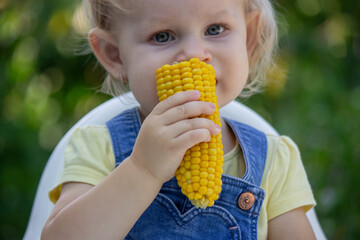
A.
pixel 228 137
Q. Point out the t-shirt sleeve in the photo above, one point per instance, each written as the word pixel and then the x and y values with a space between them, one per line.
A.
pixel 88 158
pixel 288 185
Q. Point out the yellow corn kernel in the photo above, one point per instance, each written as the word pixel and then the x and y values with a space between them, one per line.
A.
pixel 199 174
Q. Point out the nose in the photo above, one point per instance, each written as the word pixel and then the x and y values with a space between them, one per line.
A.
pixel 193 48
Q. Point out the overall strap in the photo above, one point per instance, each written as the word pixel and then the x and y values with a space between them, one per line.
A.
pixel 123 130
pixel 254 146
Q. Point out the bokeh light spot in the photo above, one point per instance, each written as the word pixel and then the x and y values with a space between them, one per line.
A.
pixel 24 59
pixel 49 135
pixel 59 24
pixel 309 7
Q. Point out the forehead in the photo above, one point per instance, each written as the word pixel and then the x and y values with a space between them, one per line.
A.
pixel 165 9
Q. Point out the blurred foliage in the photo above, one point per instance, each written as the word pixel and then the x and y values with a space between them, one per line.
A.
pixel 45 87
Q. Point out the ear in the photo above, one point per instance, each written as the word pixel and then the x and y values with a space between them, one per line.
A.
pixel 106 51
pixel 252 28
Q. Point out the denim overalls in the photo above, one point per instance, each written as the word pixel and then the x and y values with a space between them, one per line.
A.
pixel 171 215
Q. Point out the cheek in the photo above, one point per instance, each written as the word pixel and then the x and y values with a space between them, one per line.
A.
pixel 240 65
pixel 237 69
pixel 233 79
pixel 142 84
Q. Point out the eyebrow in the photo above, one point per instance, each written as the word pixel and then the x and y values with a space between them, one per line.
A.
pixel 223 12
pixel 159 19
pixel 227 11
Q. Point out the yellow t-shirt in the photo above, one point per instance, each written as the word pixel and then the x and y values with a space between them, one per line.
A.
pixel 89 158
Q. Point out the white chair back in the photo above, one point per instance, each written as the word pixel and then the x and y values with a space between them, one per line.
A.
pixel 42 206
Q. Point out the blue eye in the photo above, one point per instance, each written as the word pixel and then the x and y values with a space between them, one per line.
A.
pixel 214 30
pixel 162 37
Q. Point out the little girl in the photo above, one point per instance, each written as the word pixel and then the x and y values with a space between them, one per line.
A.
pixel 118 181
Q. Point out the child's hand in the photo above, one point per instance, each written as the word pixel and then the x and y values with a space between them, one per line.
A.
pixel 169 130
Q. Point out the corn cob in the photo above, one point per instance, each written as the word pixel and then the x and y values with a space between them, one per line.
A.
pixel 199 174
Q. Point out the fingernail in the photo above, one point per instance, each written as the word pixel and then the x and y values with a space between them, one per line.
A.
pixel 196 93
pixel 218 129
pixel 212 106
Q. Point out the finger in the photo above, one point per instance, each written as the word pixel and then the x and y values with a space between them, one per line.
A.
pixel 193 137
pixel 187 125
pixel 188 110
pixel 176 100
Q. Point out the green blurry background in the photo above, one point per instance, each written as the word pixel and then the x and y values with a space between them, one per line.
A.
pixel 45 88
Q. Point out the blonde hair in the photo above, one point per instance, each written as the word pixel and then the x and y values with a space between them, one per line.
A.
pixel 100 12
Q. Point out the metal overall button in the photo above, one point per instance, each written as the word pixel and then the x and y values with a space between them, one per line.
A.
pixel 246 200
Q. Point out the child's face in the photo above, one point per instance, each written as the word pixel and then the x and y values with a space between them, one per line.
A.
pixel 161 32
